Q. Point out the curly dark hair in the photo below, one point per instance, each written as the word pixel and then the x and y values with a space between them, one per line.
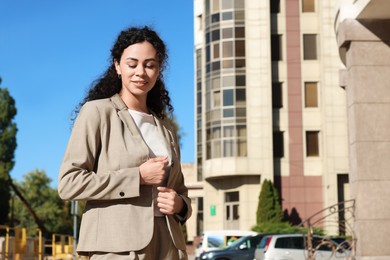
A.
pixel 158 100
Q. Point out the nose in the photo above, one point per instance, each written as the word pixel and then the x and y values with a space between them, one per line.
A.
pixel 140 71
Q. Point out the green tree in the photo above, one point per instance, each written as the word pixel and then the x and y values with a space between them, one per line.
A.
pixel 269 212
pixel 268 209
pixel 45 202
pixel 8 131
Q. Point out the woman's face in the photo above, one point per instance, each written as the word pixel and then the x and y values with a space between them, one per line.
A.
pixel 139 68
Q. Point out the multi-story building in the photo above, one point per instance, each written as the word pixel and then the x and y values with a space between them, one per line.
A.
pixel 268 106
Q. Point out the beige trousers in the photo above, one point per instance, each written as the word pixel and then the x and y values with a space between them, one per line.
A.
pixel 161 247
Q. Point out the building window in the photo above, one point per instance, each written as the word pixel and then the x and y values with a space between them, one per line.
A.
pixel 227 4
pixel 240 63
pixel 312 143
pixel 229 112
pixel 311 94
pixel 276 47
pixel 240 48
pixel 215 18
pixel 228 131
pixel 216 99
pixel 241 148
pixel 275 6
pixel 308 6
pixel 278 144
pixel 309 46
pixel 232 202
pixel 215 6
pixel 240 97
pixel 240 80
pixel 239 32
pixel 216 83
pixel 277 94
pixel 239 4
pixel 216 51
pixel 215 35
pixel 228 81
pixel 216 148
pixel 228 99
pixel 227 64
pixel 216 133
pixel 199 219
pixel 208 150
pixel 241 142
pixel 216 66
pixel 208 53
pixel 228 148
pixel 227 16
pixel 227 49
pixel 227 33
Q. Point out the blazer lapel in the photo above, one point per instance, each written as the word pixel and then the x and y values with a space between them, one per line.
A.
pixel 128 121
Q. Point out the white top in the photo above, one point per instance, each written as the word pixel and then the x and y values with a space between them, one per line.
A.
pixel 149 131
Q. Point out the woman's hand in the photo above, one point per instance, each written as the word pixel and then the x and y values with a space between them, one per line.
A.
pixel 168 201
pixel 153 171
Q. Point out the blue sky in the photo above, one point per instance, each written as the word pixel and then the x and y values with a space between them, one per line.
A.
pixel 51 50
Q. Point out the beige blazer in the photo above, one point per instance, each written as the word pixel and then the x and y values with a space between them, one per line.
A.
pixel 101 165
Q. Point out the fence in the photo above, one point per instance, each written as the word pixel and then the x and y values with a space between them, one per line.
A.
pixel 340 215
pixel 27 244
pixel 20 243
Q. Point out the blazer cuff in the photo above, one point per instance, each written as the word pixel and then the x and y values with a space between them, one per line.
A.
pixel 182 216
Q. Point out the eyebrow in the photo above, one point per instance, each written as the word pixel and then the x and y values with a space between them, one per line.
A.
pixel 147 60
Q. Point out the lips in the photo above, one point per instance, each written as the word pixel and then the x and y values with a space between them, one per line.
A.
pixel 139 83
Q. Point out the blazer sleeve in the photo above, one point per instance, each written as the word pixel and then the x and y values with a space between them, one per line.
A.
pixel 78 179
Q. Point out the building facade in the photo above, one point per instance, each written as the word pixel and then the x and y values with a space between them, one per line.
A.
pixel 268 106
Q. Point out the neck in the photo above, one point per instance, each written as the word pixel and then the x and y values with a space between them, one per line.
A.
pixel 134 103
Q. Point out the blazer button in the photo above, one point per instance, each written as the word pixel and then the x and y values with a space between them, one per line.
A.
pixel 121 194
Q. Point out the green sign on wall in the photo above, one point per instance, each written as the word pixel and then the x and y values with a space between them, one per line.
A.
pixel 212 210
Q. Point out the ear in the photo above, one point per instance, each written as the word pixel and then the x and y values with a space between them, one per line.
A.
pixel 117 67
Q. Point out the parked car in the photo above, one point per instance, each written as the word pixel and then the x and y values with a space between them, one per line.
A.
pixel 217 239
pixel 293 247
pixel 242 249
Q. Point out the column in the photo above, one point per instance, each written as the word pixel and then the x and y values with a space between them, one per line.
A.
pixel 365 45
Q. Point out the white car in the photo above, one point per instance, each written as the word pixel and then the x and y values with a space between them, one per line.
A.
pixel 217 239
pixel 294 247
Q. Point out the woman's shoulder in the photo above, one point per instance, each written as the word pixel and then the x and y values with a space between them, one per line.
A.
pixel 103 105
pixel 98 103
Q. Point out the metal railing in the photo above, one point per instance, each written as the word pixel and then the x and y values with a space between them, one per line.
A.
pixel 17 244
pixel 339 216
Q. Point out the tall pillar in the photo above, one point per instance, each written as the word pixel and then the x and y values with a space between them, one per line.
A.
pixel 365 48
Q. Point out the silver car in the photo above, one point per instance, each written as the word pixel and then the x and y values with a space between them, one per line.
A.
pixel 294 247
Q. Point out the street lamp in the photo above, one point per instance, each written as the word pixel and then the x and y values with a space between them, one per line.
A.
pixel 74 212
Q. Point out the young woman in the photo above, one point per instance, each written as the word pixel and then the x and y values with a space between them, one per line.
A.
pixel 123 158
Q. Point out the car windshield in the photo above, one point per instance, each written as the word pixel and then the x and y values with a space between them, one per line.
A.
pixel 215 241
pixel 237 242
